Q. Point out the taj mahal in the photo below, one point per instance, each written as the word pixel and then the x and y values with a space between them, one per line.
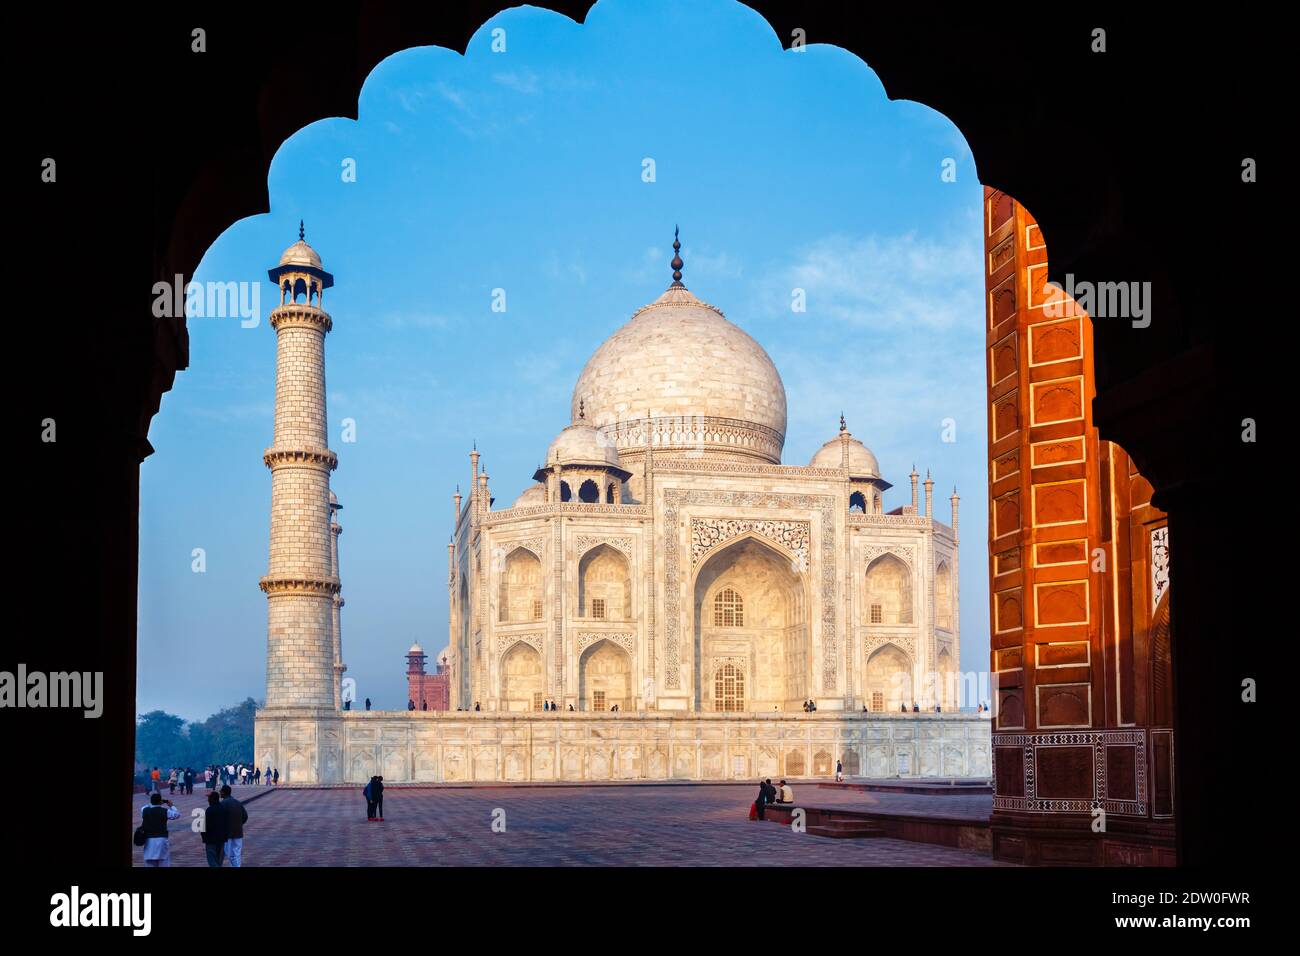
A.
pixel 667 600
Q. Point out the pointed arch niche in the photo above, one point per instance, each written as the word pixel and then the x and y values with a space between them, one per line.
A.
pixel 767 643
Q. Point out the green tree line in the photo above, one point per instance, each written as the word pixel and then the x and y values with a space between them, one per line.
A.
pixel 165 740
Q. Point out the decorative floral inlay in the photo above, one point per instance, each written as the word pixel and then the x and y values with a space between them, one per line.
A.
pixel 506 641
pixel 1159 564
pixel 623 639
pixel 582 543
pixel 708 533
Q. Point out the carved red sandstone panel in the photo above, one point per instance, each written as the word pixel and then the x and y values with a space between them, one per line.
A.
pixel 1063 773
pixel 1061 602
pixel 1055 341
pixel 1061 502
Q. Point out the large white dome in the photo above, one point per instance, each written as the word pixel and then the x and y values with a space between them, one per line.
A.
pixel 680 375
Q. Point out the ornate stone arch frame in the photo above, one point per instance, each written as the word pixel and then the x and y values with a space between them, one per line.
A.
pixel 819 512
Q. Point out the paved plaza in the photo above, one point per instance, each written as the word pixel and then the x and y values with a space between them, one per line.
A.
pixel 684 825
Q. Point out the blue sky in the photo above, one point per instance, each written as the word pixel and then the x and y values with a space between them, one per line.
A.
pixel 522 170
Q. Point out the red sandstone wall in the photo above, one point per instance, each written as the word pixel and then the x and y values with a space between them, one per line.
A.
pixel 1077 647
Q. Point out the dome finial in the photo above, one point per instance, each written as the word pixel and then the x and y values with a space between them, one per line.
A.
pixel 843 426
pixel 677 261
pixel 582 409
pixel 302 233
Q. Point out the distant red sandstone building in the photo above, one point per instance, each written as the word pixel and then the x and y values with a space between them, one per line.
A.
pixel 426 691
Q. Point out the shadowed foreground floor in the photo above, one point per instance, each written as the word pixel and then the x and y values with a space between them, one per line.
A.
pixel 697 825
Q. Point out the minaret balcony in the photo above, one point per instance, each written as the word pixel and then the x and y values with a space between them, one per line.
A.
pixel 300 314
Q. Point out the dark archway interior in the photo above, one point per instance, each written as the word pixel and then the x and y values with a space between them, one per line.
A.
pixel 1130 163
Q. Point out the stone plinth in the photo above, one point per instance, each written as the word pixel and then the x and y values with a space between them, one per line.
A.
pixel 325 746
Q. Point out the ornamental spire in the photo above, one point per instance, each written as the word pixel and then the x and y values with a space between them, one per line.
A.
pixel 302 233
pixel 677 262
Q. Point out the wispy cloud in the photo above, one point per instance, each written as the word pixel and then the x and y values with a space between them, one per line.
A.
pixel 521 81
pixel 884 282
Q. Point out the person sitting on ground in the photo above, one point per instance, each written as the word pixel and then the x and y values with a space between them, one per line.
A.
pixel 787 793
pixel 916 708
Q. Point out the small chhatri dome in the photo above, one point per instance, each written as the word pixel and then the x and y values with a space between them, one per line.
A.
pixel 533 495
pixel 581 444
pixel 416 649
pixel 862 462
pixel 301 254
pixel 301 257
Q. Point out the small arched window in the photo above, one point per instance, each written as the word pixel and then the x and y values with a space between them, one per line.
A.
pixel 609 495
pixel 857 503
pixel 729 688
pixel 589 492
pixel 566 493
pixel 728 609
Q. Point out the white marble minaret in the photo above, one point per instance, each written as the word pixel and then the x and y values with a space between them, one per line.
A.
pixel 301 582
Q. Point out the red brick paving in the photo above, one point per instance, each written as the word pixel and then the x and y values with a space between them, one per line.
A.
pixel 695 825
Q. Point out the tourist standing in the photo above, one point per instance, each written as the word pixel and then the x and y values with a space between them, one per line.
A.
pixel 377 794
pixel 214 830
pixel 155 781
pixel 236 817
pixel 761 802
pixel 839 771
pixel 275 779
pixel 153 818
pixel 368 791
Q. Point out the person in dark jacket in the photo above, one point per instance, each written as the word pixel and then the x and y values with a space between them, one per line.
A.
pixel 236 817
pixel 377 794
pixel 214 830
pixel 368 792
pixel 762 799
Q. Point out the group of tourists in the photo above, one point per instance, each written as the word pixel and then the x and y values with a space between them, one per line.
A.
pixel 769 794
pixel 238 773
pixel 213 776
pixel 222 833
pixel 182 777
